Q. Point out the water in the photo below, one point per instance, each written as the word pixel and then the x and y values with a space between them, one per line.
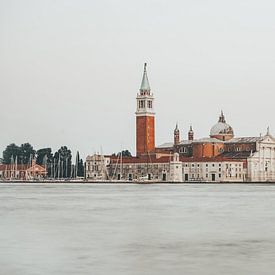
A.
pixel 137 229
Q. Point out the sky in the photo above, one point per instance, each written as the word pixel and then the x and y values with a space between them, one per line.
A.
pixel 70 70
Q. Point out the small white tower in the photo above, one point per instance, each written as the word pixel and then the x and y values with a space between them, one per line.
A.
pixel 175 169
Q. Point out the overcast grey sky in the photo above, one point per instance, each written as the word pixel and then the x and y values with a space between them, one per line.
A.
pixel 70 70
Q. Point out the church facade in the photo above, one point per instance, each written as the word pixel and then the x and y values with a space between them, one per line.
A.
pixel 221 157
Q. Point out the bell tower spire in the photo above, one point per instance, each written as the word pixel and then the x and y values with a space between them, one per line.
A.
pixel 145 82
pixel 145 118
pixel 191 133
pixel 176 135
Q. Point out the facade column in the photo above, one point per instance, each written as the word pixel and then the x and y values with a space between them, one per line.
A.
pixel 264 173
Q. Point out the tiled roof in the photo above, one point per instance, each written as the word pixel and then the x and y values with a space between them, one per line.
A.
pixel 166 145
pixel 145 159
pixel 219 158
pixel 210 140
pixel 4 167
pixel 186 142
pixel 18 167
pixel 167 159
pixel 236 155
pixel 244 140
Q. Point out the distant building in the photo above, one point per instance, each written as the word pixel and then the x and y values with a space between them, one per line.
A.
pixel 96 167
pixel 22 171
pixel 145 168
pixel 256 153
pixel 221 157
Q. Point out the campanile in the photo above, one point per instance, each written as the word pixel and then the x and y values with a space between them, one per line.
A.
pixel 145 118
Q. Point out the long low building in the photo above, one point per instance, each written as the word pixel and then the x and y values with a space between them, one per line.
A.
pixel 22 171
pixel 250 159
pixel 165 169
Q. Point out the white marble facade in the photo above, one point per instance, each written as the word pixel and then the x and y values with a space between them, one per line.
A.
pixel 214 171
pixel 261 164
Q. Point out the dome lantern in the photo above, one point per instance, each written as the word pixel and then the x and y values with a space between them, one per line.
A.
pixel 222 130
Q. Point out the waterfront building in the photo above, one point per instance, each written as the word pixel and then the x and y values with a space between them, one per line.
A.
pixel 22 171
pixel 213 170
pixel 221 157
pixel 255 155
pixel 171 168
pixel 167 168
pixel 96 167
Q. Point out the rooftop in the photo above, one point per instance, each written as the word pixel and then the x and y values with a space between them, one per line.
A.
pixel 244 140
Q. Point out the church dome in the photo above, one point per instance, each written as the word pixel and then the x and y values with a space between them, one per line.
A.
pixel 222 130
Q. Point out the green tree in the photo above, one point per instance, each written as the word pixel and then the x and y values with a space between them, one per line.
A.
pixel 62 162
pixel 77 164
pixel 44 155
pixel 125 153
pixel 11 151
pixel 81 168
pixel 23 154
pixel 27 153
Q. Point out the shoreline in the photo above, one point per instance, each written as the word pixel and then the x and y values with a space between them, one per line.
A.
pixel 129 182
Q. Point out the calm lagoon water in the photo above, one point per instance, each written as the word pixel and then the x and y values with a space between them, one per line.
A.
pixel 137 229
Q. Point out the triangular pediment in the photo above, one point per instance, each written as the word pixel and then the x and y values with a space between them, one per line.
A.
pixel 268 138
pixel 36 168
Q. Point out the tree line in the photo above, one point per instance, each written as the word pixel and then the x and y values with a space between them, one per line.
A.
pixel 58 164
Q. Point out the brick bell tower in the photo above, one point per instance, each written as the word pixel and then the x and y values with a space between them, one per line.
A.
pixel 145 118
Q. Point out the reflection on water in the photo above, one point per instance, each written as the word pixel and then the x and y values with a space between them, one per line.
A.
pixel 137 229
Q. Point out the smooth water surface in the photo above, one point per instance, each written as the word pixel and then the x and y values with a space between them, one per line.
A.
pixel 137 229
